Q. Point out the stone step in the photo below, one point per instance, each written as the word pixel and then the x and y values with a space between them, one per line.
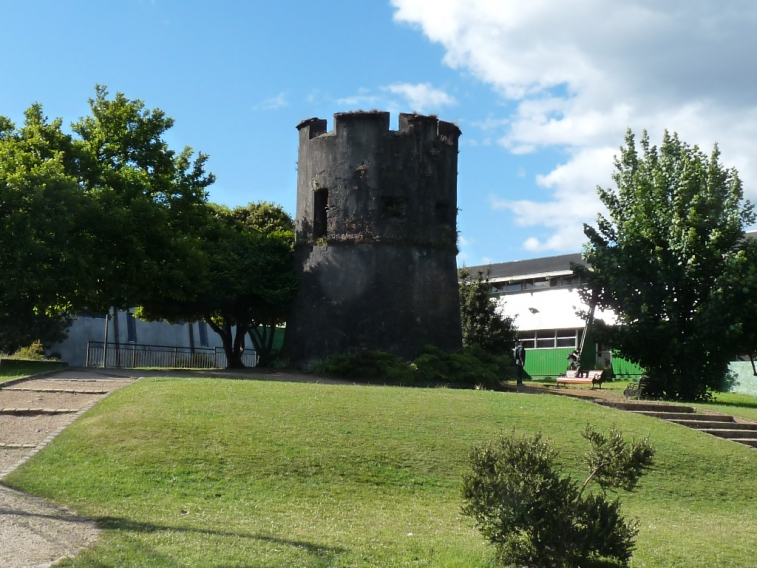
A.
pixel 15 446
pixel 68 391
pixel 752 442
pixel 685 416
pixel 17 411
pixel 728 434
pixel 647 407
pixel 706 425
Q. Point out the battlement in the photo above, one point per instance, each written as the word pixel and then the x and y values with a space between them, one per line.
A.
pixel 378 122
pixel 362 182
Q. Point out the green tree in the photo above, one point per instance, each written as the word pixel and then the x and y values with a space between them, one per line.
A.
pixel 534 516
pixel 43 252
pixel 482 324
pixel 147 203
pixel 277 226
pixel 246 282
pixel 669 261
pixel 99 219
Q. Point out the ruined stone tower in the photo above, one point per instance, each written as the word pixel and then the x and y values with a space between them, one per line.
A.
pixel 376 236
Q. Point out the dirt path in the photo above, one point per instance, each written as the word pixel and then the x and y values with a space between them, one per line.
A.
pixel 33 412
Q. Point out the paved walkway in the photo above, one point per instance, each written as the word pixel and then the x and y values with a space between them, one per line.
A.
pixel 33 411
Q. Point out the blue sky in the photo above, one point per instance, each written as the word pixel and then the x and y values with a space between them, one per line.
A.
pixel 543 91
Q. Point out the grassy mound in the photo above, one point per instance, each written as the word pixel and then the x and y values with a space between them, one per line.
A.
pixel 222 473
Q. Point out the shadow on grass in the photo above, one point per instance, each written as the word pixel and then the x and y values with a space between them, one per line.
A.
pixel 735 404
pixel 117 523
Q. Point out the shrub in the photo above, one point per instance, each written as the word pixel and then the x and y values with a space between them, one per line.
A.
pixel 368 365
pixel 34 352
pixel 536 517
pixel 473 366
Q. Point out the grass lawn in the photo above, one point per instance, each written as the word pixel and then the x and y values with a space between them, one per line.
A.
pixel 228 473
pixel 742 405
pixel 8 372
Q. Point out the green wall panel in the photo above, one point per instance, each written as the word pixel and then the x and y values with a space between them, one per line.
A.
pixel 547 362
pixel 623 368
pixel 746 381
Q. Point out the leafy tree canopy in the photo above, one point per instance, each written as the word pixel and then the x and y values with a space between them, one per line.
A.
pixel 246 280
pixel 100 218
pixel 482 324
pixel 669 260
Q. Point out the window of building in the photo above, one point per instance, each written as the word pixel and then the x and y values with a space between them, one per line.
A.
pixel 131 328
pixel 540 284
pixel 545 338
pixel 550 338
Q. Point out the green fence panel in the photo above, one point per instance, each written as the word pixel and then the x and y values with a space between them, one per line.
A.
pixel 547 362
pixel 624 368
pixel 278 339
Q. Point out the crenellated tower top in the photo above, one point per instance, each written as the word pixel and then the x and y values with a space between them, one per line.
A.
pixel 362 182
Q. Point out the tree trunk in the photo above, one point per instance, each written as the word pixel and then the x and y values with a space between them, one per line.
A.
pixel 232 346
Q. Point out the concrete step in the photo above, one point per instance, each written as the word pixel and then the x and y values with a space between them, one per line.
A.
pixel 752 442
pixel 647 407
pixel 17 411
pixel 729 434
pixel 67 391
pixel 706 425
pixel 15 446
pixel 685 416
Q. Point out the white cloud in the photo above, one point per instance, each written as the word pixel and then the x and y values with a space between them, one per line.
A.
pixel 422 96
pixel 279 101
pixel 582 71
pixel 566 212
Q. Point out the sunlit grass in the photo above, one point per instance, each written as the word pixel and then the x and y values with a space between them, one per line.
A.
pixel 183 472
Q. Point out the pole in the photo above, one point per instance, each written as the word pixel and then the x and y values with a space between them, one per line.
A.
pixel 105 345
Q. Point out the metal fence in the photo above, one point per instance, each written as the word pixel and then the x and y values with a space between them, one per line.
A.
pixel 128 355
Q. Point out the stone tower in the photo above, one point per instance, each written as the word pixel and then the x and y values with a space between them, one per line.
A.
pixel 376 236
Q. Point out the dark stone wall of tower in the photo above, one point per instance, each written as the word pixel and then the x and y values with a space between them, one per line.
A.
pixel 376 236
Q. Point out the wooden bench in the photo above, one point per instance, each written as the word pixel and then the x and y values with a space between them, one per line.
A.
pixel 646 388
pixel 589 378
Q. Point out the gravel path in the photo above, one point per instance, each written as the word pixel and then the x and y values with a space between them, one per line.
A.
pixel 34 532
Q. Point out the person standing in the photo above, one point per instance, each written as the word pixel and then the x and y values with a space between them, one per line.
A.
pixel 520 361
pixel 575 362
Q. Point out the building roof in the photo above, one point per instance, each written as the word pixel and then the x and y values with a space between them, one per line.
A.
pixel 535 267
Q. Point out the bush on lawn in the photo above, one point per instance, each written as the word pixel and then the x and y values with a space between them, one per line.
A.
pixel 472 366
pixel 33 352
pixel 367 365
pixel 535 516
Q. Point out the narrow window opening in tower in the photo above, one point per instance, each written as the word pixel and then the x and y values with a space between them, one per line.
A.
pixel 393 206
pixel 320 213
pixel 444 213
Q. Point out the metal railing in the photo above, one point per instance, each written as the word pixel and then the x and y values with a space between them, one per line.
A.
pixel 128 355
